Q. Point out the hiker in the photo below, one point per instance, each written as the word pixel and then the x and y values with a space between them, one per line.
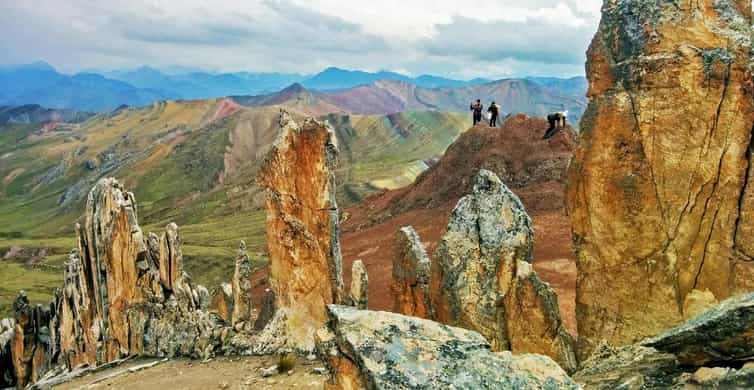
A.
pixel 477 108
pixel 557 120
pixel 494 111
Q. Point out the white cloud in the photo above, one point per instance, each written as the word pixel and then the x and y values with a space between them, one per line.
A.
pixel 492 39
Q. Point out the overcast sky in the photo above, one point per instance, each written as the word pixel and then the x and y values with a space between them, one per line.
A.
pixel 492 38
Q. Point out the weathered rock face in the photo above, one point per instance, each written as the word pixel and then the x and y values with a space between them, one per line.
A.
pixel 411 274
pixel 7 375
pixel 532 319
pixel 707 352
pixel 378 350
pixel 302 225
pixel 658 192
pixel 242 306
pixel 267 311
pixel 357 297
pixel 488 233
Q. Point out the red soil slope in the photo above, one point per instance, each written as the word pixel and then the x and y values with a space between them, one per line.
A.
pixel 533 168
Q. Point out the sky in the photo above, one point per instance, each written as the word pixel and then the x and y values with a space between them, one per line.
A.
pixel 452 38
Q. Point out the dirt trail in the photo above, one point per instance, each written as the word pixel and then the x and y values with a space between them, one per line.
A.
pixel 238 373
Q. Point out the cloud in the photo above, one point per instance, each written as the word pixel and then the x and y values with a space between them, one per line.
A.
pixel 492 39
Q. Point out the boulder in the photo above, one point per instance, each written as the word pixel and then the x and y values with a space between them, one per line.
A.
pixel 658 190
pixel 723 333
pixel 302 225
pixel 411 275
pixel 379 350
pixel 706 352
pixel 359 286
pixel 242 306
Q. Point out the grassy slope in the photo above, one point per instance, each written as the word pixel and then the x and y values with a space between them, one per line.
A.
pixel 172 156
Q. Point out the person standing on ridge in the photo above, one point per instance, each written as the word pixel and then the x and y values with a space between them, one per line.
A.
pixel 494 111
pixel 477 108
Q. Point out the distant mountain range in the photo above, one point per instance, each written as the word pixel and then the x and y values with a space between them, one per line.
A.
pixel 388 96
pixel 40 83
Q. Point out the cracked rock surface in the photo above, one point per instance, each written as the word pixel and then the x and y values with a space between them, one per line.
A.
pixel 658 194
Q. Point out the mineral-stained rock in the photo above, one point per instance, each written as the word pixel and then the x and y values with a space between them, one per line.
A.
pixel 242 307
pixel 7 372
pixel 222 302
pixel 697 302
pixel 379 350
pixel 302 224
pixel 488 233
pixel 723 333
pixel 31 346
pixel 658 193
pixel 411 274
pixel 359 286
pixel 532 319
pixel 171 258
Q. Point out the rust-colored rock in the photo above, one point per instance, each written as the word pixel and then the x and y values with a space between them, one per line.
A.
pixel 242 307
pixel 658 193
pixel 171 258
pixel 411 274
pixel 267 311
pixel 222 302
pixel 358 297
pixel 533 321
pixel 302 225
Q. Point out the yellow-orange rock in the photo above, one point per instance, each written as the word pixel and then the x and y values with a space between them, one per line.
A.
pixel 533 322
pixel 656 187
pixel 302 225
pixel 411 274
pixel 242 302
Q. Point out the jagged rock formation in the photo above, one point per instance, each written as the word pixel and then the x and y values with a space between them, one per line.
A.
pixel 242 306
pixel 658 190
pixel 7 376
pixel 378 350
pixel 222 302
pixel 117 301
pixel 302 225
pixel 488 233
pixel 708 352
pixel 411 274
pixel 482 278
pixel 357 297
